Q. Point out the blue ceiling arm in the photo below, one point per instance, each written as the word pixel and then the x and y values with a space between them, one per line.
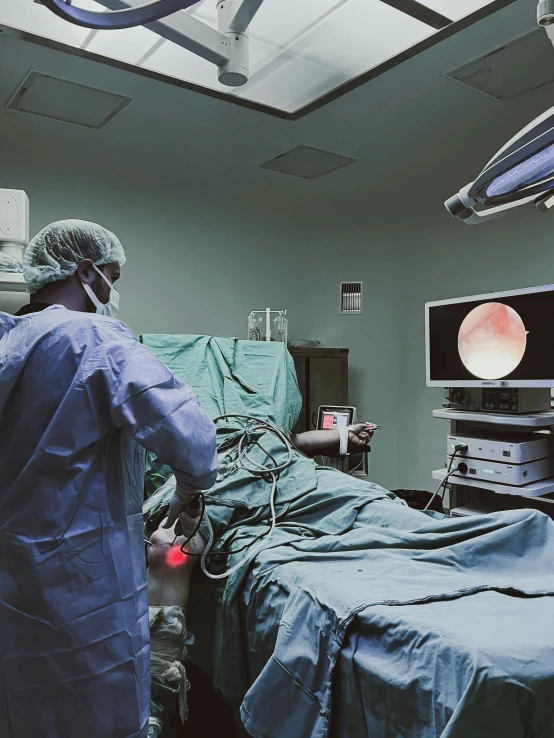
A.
pixel 129 18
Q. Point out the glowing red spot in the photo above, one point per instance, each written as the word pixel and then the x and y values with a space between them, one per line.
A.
pixel 175 557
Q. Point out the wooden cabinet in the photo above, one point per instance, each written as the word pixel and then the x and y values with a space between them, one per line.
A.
pixel 323 380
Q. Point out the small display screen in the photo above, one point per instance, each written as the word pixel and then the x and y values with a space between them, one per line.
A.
pixel 508 337
pixel 333 420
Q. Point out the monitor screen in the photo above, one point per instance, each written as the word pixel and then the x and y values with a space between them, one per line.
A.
pixel 333 420
pixel 331 417
pixel 504 339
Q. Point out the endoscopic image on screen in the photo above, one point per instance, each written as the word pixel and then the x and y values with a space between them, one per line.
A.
pixel 492 341
pixel 508 338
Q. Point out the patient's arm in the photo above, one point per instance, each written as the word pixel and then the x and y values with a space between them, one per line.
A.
pixel 169 570
pixel 327 442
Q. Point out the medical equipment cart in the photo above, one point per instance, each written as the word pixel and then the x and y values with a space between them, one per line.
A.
pixel 468 495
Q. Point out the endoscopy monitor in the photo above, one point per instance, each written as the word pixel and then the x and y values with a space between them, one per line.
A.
pixel 505 339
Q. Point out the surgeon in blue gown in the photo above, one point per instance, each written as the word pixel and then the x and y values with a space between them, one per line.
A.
pixel 80 400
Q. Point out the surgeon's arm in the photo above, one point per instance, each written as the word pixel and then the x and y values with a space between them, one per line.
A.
pixel 327 442
pixel 165 417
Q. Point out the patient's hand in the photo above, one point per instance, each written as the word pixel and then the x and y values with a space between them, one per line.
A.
pixel 359 437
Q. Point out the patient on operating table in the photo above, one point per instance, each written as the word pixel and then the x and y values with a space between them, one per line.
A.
pixel 169 574
pixel 359 616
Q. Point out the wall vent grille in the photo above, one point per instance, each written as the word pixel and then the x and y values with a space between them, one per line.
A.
pixel 351 298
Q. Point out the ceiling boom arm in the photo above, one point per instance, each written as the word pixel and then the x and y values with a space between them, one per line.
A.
pixel 244 14
pixel 184 30
pixel 227 48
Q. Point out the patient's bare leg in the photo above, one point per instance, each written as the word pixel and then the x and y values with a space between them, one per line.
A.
pixel 169 572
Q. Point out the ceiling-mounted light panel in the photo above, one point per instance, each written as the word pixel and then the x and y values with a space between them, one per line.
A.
pixel 302 54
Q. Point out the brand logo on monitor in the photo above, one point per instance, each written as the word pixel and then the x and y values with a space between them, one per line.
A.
pixel 489 384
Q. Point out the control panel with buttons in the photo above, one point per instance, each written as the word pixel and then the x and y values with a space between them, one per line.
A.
pixel 496 400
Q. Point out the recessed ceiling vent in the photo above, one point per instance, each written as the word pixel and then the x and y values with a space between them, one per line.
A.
pixel 65 101
pixel 513 70
pixel 351 298
pixel 307 162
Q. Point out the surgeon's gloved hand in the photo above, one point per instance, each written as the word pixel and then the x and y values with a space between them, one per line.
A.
pixel 187 524
pixel 180 502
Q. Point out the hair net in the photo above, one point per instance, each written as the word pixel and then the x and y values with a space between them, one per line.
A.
pixel 54 253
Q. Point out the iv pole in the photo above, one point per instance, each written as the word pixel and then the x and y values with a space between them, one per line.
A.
pixel 268 312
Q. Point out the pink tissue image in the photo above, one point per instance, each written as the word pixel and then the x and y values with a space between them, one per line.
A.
pixel 492 341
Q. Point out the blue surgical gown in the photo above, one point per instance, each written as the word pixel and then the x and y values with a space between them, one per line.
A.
pixel 79 397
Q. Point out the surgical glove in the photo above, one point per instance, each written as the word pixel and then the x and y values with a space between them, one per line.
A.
pixel 188 523
pixel 179 503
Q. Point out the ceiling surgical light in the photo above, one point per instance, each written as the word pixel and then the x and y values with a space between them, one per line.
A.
pixel 539 168
pixel 521 173
pixel 115 20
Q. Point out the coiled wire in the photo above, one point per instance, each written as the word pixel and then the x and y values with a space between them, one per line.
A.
pixel 244 461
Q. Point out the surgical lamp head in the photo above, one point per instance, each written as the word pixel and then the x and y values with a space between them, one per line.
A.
pixel 521 173
pixel 132 17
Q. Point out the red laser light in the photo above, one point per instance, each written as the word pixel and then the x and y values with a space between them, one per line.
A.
pixel 175 557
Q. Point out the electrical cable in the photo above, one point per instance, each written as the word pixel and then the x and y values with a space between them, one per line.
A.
pixel 244 461
pixel 179 527
pixel 253 426
pixel 221 552
pixel 355 469
pixel 449 472
pixel 254 552
pixel 443 482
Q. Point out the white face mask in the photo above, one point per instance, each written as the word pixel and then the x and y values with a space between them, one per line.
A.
pixel 110 309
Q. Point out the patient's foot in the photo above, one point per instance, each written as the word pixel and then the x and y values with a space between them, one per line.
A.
pixel 168 636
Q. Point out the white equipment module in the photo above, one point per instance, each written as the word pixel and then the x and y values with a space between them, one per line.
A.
pixel 510 401
pixel 509 448
pixel 14 237
pixel 14 222
pixel 481 508
pixel 513 475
